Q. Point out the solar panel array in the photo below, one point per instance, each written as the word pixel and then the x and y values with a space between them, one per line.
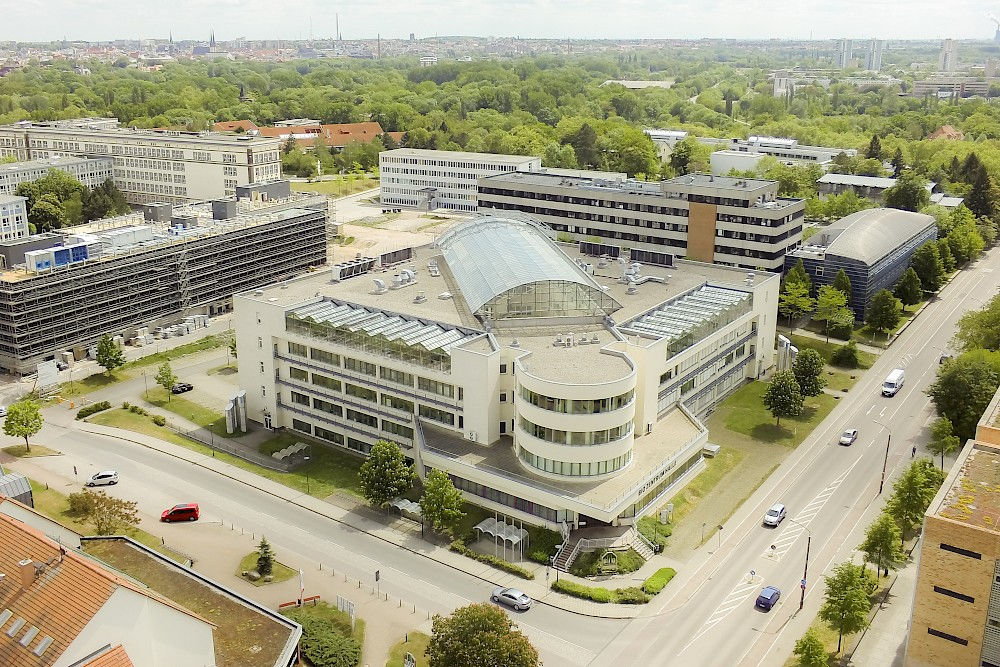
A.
pixel 679 317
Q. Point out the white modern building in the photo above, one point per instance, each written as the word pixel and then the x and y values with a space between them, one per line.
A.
pixel 552 382
pixel 91 171
pixel 13 217
pixel 873 55
pixel 843 54
pixel 428 179
pixel 787 150
pixel 152 165
pixel 948 58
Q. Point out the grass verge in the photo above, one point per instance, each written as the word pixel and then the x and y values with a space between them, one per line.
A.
pixel 826 350
pixel 458 546
pixel 337 187
pixel 279 571
pixel 415 644
pixel 746 414
pixel 631 595
pixel 21 452
pixel 207 418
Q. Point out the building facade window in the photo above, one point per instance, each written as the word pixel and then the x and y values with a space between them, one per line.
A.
pixel 359 366
pixel 360 392
pixel 397 403
pixel 436 387
pixel 397 429
pixel 576 437
pixel 327 434
pixel 577 407
pixel 298 374
pixel 440 416
pixel 393 375
pixel 325 382
pixel 328 407
pixel 301 399
pixel 299 425
pixel 586 469
pixel 324 357
pixel 297 349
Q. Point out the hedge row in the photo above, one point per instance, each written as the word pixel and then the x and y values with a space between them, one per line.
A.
pixel 93 409
pixel 458 546
pixel 631 595
pixel 658 580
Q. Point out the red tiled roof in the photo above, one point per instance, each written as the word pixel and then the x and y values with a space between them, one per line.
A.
pixel 335 135
pixel 233 125
pixel 947 132
pixel 116 657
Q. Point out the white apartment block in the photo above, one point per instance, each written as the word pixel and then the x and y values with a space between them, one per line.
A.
pixel 428 179
pixel 89 171
pixel 13 217
pixel 555 383
pixel 153 165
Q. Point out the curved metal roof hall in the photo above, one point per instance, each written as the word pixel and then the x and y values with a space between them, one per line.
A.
pixel 507 268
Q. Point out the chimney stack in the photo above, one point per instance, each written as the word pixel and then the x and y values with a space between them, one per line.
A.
pixel 27 567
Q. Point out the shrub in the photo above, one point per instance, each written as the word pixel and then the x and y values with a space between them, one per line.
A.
pixel 588 564
pixel 159 420
pixel 654 531
pixel 93 408
pixel 658 580
pixel 629 595
pixel 841 331
pixel 458 546
pixel 543 544
pixel 845 356
pixel 324 646
pixel 126 405
pixel 81 503
pixel 135 409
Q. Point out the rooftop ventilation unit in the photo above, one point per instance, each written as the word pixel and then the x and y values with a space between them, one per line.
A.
pixel 379 286
pixel 420 297
pixel 514 343
pixel 595 339
pixel 750 278
pixel 444 296
pixel 632 289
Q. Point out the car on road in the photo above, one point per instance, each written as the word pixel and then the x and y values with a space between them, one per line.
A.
pixel 181 387
pixel 893 382
pixel 182 512
pixel 3 410
pixel 775 515
pixel 849 436
pixel 943 358
pixel 768 598
pixel 513 598
pixel 103 478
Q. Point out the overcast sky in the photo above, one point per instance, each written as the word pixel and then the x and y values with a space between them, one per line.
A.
pixel 43 20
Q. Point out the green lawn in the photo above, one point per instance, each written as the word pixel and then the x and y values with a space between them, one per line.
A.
pixel 588 564
pixel 826 350
pixel 21 452
pixel 715 469
pixel 337 187
pixel 279 571
pixel 415 644
pixel 205 417
pixel 328 470
pixel 746 414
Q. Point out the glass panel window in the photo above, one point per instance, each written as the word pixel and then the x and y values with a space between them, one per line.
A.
pixel 393 375
pixel 442 416
pixel 362 418
pixel 361 392
pixel 397 403
pixel 324 357
pixel 297 349
pixel 397 429
pixel 325 382
pixel 297 373
pixel 301 399
pixel 300 425
pixel 359 366
pixel 327 406
pixel 436 387
pixel 327 434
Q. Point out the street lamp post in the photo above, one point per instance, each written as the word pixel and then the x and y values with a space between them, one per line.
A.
pixel 805 570
pixel 885 462
pixel 306 460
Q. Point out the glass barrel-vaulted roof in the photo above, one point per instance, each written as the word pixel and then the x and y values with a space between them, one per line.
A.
pixel 509 268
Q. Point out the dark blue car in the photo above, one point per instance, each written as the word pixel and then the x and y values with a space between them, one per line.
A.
pixel 768 598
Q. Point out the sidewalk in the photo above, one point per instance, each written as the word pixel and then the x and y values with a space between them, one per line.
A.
pixel 805 333
pixel 883 644
pixel 411 541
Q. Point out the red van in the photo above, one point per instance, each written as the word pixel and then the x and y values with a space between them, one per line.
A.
pixel 182 512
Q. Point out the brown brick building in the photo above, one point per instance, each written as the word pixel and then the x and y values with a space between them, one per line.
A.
pixel 956 607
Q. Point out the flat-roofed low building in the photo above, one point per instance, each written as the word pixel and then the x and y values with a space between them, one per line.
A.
pixel 91 171
pixel 873 247
pixel 735 221
pixel 869 187
pixel 557 383
pixel 428 179
pixel 956 602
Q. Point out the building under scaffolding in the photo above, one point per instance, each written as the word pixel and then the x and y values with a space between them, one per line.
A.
pixel 117 275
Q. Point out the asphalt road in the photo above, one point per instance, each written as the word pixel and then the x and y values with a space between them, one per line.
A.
pixel 831 492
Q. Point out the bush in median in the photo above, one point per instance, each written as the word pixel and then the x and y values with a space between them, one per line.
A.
pixel 629 595
pixel 93 409
pixel 458 546
pixel 658 580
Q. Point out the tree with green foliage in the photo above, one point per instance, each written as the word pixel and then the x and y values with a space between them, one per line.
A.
pixel 110 354
pixel 908 288
pixel 794 301
pixel 265 558
pixel 783 396
pixel 898 164
pixel 810 650
pixel 846 601
pixel 943 439
pixel 689 156
pixel 842 282
pixel 909 193
pixel 980 329
pixel 926 261
pixel 883 312
pixel 912 493
pixel 882 544
pixel 384 475
pixel 874 151
pixel 965 242
pixel 441 503
pixel 808 370
pixel 326 643
pixel 983 199
pixel 232 349
pixel 47 214
pixel 798 274
pixel 964 387
pixel 584 143
pixel 165 378
pixel 947 257
pixel 108 514
pixel 846 356
pixel 476 635
pixel 830 301
pixel 23 420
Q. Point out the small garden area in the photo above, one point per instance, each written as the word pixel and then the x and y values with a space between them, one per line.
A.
pixel 415 644
pixel 204 417
pixel 589 563
pixel 250 564
pixel 745 413
pixel 328 640
pixel 22 452
pixel 338 187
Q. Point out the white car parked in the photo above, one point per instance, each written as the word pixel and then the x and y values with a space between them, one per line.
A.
pixel 775 515
pixel 103 478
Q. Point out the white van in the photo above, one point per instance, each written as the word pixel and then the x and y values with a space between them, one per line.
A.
pixel 893 382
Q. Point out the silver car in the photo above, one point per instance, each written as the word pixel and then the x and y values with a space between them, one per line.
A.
pixel 775 515
pixel 513 598
pixel 103 478
pixel 849 436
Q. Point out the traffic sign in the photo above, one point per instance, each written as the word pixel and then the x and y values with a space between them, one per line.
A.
pixel 802 584
pixel 753 573
pixel 377 573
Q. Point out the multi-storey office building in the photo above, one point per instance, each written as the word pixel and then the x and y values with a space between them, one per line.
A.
pixel 118 274
pixel 873 247
pixel 551 385
pixel 956 603
pixel 89 171
pixel 153 165
pixel 13 217
pixel 734 221
pixel 789 151
pixel 429 179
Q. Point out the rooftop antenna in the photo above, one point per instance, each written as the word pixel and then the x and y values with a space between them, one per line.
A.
pixel 337 18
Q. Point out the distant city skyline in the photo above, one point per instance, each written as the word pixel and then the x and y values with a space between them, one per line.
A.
pixel 49 20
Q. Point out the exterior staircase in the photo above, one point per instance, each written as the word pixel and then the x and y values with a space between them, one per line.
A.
pixel 578 542
pixel 567 554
